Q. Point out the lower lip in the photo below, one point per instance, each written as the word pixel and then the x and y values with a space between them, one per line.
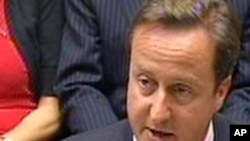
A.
pixel 157 136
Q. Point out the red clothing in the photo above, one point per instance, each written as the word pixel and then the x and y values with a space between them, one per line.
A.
pixel 16 97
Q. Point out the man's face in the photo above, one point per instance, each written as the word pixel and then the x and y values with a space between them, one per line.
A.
pixel 172 94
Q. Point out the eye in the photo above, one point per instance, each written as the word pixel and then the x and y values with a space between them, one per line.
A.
pixel 146 85
pixel 182 93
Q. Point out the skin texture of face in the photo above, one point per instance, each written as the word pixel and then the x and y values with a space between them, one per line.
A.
pixel 171 93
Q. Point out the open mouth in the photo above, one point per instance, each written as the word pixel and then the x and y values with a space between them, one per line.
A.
pixel 157 135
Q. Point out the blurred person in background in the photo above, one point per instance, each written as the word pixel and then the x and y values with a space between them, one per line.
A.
pixel 238 103
pixel 30 40
pixel 93 68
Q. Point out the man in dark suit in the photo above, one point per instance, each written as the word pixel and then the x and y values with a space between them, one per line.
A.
pixel 238 103
pixel 183 53
pixel 93 69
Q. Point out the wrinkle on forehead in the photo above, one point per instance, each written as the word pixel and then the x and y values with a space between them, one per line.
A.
pixel 160 44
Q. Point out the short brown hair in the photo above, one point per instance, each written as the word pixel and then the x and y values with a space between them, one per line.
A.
pixel 216 16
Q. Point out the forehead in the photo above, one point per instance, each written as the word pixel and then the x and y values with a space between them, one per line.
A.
pixel 189 46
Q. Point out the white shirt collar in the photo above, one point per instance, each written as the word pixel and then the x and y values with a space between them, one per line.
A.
pixel 210 132
pixel 209 135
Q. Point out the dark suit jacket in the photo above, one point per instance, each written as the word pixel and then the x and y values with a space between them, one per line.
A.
pixel 93 69
pixel 121 131
pixel 238 104
pixel 36 28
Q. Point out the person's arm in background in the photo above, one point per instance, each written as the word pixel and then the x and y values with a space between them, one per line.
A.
pixel 43 123
pixel 238 103
pixel 40 125
pixel 80 72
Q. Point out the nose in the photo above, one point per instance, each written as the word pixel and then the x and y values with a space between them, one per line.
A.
pixel 160 110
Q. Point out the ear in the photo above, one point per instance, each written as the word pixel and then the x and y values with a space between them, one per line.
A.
pixel 222 91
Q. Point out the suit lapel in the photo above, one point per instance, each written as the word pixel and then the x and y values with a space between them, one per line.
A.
pixel 123 133
pixel 221 128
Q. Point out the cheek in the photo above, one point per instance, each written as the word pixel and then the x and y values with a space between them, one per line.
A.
pixel 137 107
pixel 135 100
pixel 188 122
pixel 188 113
pixel 205 106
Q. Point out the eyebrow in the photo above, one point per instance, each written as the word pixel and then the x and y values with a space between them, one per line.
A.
pixel 189 80
pixel 185 78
